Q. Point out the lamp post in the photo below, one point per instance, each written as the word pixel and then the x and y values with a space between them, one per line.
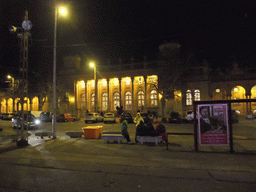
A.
pixel 63 12
pixel 95 86
pixel 12 79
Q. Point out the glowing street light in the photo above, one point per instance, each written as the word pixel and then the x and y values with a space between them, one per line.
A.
pixel 95 86
pixel 62 11
pixel 10 77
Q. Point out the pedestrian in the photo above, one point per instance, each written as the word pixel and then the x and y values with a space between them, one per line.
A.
pixel 149 130
pixel 139 125
pixel 160 129
pixel 148 112
pixel 124 131
pixel 154 114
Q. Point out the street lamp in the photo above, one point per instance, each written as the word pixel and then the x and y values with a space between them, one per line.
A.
pixel 95 86
pixel 10 77
pixel 62 11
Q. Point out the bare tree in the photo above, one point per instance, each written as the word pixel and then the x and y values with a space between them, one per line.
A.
pixel 172 65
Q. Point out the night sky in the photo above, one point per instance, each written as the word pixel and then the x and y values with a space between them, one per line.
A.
pixel 103 30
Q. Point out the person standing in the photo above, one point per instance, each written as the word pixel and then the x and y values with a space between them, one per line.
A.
pixel 139 121
pixel 124 131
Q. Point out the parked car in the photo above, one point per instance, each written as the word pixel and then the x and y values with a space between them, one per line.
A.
pixel 145 117
pixel 189 117
pixel 60 117
pixel 69 117
pixel 250 115
pixel 109 117
pixel 30 121
pixel 64 117
pixel 46 116
pixel 174 117
pixel 7 116
pixel 93 117
pixel 126 116
pixel 1 115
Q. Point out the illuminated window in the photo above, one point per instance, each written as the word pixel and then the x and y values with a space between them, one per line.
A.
pixel 59 102
pixel 188 98
pixel 82 83
pixel 93 100
pixel 128 100
pixel 104 102
pixel 116 81
pixel 153 98
pixel 93 83
pixel 153 79
pixel 116 100
pixel 197 95
pixel 140 80
pixel 140 98
pixel 104 82
pixel 82 100
pixel 128 81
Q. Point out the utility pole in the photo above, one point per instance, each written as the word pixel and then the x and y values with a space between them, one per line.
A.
pixel 23 74
pixel 22 34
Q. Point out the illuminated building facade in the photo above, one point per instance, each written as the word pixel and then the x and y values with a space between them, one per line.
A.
pixel 134 87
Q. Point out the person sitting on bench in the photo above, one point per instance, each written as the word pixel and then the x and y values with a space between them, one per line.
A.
pixel 160 129
pixel 149 130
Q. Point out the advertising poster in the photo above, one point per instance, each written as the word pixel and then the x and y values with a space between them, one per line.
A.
pixel 213 124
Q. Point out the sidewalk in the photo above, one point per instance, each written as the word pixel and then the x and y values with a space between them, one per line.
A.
pixel 98 166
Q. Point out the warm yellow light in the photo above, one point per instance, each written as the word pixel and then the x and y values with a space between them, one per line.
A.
pixel 82 84
pixel 104 82
pixel 160 96
pixel 92 64
pixel 217 90
pixel 236 89
pixel 9 76
pixel 116 81
pixel 128 81
pixel 71 99
pixel 63 11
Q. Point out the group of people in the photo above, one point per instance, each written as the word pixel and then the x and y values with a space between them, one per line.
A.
pixel 143 129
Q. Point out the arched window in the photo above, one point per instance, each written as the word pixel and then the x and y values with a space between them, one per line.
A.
pixel 153 98
pixel 116 100
pixel 188 98
pixel 104 102
pixel 35 103
pixel 128 100
pixel 93 100
pixel 140 98
pixel 82 100
pixel 197 95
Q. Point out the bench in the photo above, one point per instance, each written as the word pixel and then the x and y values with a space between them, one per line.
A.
pixel 112 137
pixel 43 134
pixel 149 139
pixel 111 132
pixel 74 134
